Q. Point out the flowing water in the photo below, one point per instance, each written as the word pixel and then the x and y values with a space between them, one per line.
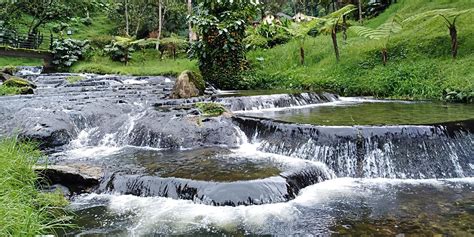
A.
pixel 284 164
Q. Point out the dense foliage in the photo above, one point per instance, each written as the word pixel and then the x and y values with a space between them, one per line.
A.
pixel 68 51
pixel 221 51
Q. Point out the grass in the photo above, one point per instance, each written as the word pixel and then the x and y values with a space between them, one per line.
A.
pixel 145 62
pixel 14 61
pixel 420 65
pixel 23 210
pixel 7 90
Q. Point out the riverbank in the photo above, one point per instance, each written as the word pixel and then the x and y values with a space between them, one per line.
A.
pixel 24 211
pixel 419 64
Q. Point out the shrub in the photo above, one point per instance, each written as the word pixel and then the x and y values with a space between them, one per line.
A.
pixel 68 51
pixel 101 41
pixel 121 49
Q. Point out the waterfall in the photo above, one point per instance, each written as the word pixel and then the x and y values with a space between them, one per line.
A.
pixel 436 151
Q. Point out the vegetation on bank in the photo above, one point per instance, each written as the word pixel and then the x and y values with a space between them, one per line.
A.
pixel 24 211
pixel 145 62
pixel 420 64
pixel 413 62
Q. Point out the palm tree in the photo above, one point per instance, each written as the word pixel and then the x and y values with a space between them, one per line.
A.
pixel 383 32
pixel 450 16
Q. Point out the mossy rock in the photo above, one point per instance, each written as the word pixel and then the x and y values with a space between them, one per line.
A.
pixel 10 70
pixel 197 79
pixel 18 82
pixel 211 109
pixel 189 84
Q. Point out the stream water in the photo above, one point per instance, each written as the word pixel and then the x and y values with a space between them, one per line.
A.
pixel 284 164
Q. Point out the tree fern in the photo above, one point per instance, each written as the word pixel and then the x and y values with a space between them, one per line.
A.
pixel 450 15
pixel 384 31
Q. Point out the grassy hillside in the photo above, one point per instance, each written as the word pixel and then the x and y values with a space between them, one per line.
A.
pixel 420 65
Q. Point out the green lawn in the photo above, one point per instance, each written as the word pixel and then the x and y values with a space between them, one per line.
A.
pixel 13 61
pixel 420 65
pixel 143 63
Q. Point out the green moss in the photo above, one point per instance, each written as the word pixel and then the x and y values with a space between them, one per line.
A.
pixel 74 79
pixel 197 80
pixel 211 109
pixel 17 82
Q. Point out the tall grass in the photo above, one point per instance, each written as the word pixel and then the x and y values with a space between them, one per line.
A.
pixel 23 210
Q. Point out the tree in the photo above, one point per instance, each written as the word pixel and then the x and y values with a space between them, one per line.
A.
pixel 450 16
pixel 220 51
pixel 383 32
pixel 301 31
pixel 331 23
pixel 42 12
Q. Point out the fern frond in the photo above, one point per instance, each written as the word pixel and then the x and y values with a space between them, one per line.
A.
pixel 385 30
pixel 447 12
pixel 341 12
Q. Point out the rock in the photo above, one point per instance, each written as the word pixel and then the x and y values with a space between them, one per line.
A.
pixel 50 128
pixel 18 82
pixel 4 76
pixel 188 84
pixel 10 70
pixel 77 178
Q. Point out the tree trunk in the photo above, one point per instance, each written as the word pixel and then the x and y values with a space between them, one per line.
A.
pixel 160 24
pixel 454 40
pixel 301 55
pixel 190 26
pixel 384 56
pixel 334 42
pixel 127 23
pixel 360 11
pixel 344 28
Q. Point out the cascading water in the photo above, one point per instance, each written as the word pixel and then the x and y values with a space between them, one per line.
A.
pixel 167 170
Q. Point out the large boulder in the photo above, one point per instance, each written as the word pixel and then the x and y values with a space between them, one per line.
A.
pixel 188 84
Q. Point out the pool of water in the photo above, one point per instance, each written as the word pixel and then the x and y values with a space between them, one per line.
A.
pixel 343 206
pixel 359 111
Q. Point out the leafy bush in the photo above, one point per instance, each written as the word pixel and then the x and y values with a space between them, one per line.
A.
pixel 173 44
pixel 68 51
pixel 458 96
pixel 267 35
pixel 101 41
pixel 121 49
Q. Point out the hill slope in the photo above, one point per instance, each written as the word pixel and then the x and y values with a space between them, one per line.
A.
pixel 420 65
